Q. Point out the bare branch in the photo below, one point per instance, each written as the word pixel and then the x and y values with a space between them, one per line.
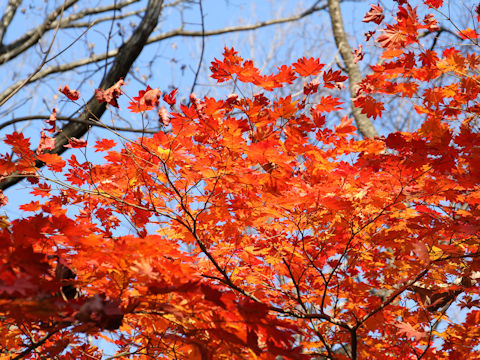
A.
pixel 58 69
pixel 39 67
pixel 8 16
pixel 34 345
pixel 364 125
pixel 127 54
pixel 231 29
pixel 69 21
pixel 167 35
pixel 88 122
pixel 31 37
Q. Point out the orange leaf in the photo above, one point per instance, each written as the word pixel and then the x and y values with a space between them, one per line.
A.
pixel 104 145
pixel 391 53
pixel 468 34
pixel 346 126
pixel 328 104
pixel 31 206
pixel 306 67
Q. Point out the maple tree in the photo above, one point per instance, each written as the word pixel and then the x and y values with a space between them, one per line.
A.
pixel 83 44
pixel 257 231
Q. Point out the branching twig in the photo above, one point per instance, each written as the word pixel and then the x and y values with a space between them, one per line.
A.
pixel 126 56
pixel 202 47
pixel 34 345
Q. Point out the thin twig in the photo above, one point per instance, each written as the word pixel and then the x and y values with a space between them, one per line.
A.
pixel 202 47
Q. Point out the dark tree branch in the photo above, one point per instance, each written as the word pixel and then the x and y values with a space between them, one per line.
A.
pixel 127 54
pixel 8 16
pixel 69 20
pixel 30 38
pixel 167 35
pixel 202 47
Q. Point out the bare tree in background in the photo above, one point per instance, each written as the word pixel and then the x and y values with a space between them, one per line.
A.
pixel 91 44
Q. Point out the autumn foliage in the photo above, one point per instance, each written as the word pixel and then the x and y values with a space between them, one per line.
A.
pixel 248 229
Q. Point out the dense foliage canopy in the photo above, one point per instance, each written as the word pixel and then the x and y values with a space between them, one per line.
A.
pixel 259 232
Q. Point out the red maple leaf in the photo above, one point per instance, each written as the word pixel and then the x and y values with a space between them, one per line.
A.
pixel 31 206
pixel 46 143
pixel 54 162
pixel 171 97
pixel 146 100
pixel 75 143
pixel 328 104
pixel 392 38
pixel 306 67
pixel 369 106
pixel 231 99
pixel 430 22
pixel 334 79
pixel 285 75
pixel 311 87
pixel 42 190
pixel 18 142
pixel 71 94
pixel 51 120
pixel 434 3
pixel 374 15
pixel 111 94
